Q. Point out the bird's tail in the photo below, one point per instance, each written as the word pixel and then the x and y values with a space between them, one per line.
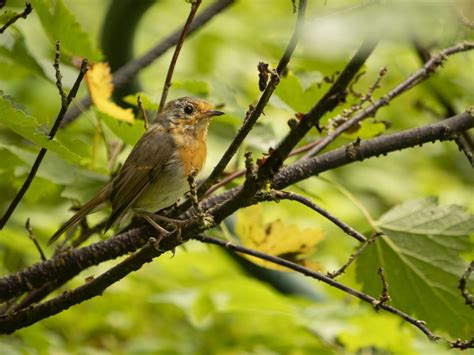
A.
pixel 99 199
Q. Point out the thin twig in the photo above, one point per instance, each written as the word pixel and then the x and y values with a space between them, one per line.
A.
pixel 23 14
pixel 262 102
pixel 144 114
pixel 416 78
pixel 384 296
pixel 192 195
pixel 353 257
pixel 318 276
pixel 194 6
pixel 462 344
pixel 346 10
pixel 462 285
pixel 363 99
pixel 287 195
pixel 59 76
pixel 42 152
pixel 231 177
pixel 34 240
pixel 463 18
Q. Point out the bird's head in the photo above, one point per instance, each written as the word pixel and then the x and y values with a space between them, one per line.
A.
pixel 187 112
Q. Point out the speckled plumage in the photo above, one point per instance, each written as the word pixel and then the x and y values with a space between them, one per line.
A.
pixel 155 173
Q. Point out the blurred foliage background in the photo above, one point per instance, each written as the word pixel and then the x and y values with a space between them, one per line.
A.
pixel 201 300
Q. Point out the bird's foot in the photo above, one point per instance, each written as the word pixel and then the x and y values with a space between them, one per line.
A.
pixel 176 224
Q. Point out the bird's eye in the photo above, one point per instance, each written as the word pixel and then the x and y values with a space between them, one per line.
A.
pixel 188 109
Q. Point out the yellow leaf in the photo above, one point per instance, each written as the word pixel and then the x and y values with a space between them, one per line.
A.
pixel 99 83
pixel 289 242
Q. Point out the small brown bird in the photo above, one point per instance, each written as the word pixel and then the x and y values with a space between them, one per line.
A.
pixel 155 173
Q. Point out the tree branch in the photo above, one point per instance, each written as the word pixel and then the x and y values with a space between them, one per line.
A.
pixel 419 76
pixel 71 262
pixel 286 195
pixel 361 150
pixel 329 101
pixel 64 107
pixel 275 159
pixel 24 14
pixel 353 257
pixel 262 102
pixel 22 318
pixel 320 277
pixel 382 145
pixel 465 142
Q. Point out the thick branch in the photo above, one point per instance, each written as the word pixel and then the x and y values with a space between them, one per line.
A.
pixel 25 317
pixel 361 150
pixel 68 264
pixel 445 130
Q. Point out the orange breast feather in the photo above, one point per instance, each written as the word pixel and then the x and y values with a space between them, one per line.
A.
pixel 193 156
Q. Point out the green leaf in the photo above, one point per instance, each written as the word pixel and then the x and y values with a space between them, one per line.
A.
pixel 61 25
pixel 29 128
pixel 420 255
pixel 129 133
pixel 16 56
pixel 292 93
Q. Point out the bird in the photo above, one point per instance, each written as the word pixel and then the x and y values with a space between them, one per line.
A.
pixel 155 173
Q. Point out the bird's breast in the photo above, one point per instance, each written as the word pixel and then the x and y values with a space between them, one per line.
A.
pixel 192 154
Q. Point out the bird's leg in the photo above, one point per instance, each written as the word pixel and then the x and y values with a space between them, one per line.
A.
pixel 155 225
pixel 176 223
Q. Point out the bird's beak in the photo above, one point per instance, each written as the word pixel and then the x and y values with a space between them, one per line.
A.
pixel 212 113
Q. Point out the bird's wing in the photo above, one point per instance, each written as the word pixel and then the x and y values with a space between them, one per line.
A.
pixel 147 159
